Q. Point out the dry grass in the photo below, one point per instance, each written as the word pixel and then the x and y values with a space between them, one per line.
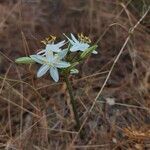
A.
pixel 35 113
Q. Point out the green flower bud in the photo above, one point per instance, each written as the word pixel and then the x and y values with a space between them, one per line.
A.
pixel 24 60
pixel 74 71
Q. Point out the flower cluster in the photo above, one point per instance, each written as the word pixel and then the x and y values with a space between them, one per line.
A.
pixel 54 56
pixel 79 45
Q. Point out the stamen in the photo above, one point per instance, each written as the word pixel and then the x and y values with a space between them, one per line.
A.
pixel 84 39
pixel 49 40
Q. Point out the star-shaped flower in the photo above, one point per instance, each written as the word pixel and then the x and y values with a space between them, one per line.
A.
pixel 78 45
pixel 51 62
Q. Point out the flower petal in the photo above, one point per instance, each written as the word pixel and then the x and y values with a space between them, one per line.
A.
pixel 38 58
pixel 49 55
pixel 54 73
pixel 62 64
pixel 62 53
pixel 74 39
pixel 74 48
pixel 41 52
pixel 71 41
pixel 52 47
pixel 43 69
pixel 79 47
pixel 60 44
pixel 83 46
pixel 55 47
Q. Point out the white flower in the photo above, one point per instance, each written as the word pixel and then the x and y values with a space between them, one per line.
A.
pixel 77 45
pixel 52 47
pixel 50 62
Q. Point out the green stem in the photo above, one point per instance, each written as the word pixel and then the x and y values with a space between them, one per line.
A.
pixel 73 102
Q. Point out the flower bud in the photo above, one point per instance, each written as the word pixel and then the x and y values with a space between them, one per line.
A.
pixel 24 60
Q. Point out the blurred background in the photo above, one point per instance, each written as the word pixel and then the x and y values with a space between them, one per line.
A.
pixel 36 113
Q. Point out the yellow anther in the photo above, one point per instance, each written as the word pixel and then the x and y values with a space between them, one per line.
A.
pixel 53 38
pixel 83 38
pixel 49 40
pixel 44 42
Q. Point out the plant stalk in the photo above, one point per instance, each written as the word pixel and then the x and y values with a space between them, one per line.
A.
pixel 73 102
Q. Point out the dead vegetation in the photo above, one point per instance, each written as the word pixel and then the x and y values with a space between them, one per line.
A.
pixel 35 113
